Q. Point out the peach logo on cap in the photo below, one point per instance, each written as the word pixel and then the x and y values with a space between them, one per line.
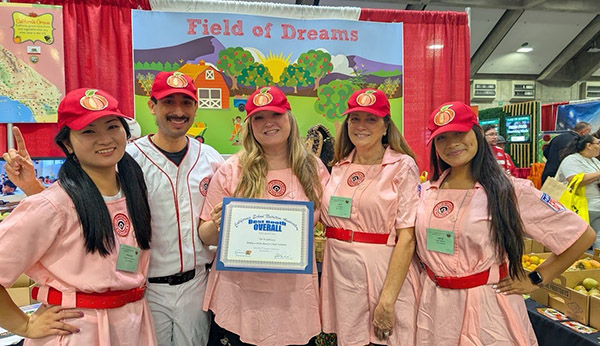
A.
pixel 177 80
pixel 263 98
pixel 92 101
pixel 366 99
pixel 444 116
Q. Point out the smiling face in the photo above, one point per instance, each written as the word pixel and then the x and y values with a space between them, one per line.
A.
pixel 365 130
pixel 271 130
pixel 174 114
pixel 457 149
pixel 99 145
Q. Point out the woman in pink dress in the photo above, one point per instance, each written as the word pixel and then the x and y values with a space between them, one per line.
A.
pixel 85 239
pixel 265 309
pixel 470 225
pixel 369 210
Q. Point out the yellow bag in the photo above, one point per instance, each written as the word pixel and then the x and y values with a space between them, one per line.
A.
pixel 574 197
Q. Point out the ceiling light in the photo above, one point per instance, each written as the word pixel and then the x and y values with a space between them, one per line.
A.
pixel 525 48
pixel 436 46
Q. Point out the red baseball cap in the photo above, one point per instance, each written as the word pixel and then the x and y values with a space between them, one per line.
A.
pixel 267 99
pixel 83 106
pixel 169 83
pixel 369 100
pixel 451 116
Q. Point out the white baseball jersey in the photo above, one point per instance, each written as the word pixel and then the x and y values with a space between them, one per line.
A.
pixel 176 195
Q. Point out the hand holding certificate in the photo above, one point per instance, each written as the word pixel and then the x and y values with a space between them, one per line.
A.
pixel 266 235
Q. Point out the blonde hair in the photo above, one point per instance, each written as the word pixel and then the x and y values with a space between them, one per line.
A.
pixel 393 138
pixel 254 165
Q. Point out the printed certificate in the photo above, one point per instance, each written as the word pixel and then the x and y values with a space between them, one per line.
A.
pixel 266 235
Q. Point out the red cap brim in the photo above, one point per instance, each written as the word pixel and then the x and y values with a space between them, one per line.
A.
pixel 366 109
pixel 171 91
pixel 449 128
pixel 275 109
pixel 89 118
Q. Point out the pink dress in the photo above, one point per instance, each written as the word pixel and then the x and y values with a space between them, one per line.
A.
pixel 383 200
pixel 43 238
pixel 264 309
pixel 480 316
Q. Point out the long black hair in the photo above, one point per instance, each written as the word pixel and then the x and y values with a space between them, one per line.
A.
pixel 91 208
pixel 577 145
pixel 506 224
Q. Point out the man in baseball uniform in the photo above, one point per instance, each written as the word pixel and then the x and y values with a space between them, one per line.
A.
pixel 177 171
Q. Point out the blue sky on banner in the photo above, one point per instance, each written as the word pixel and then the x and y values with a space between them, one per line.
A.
pixel 380 42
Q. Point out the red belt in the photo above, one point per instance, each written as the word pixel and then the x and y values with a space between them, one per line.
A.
pixel 464 282
pixel 352 236
pixel 106 300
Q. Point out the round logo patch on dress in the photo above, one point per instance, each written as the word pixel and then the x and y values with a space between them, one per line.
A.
pixel 443 209
pixel 356 178
pixel 121 224
pixel 276 188
pixel 204 186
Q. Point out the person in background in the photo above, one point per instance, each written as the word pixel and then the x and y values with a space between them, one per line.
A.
pixel 177 171
pixel 557 144
pixel 471 220
pixel 503 159
pixel 8 188
pixel 72 237
pixel 580 157
pixel 501 141
pixel 376 176
pixel 266 309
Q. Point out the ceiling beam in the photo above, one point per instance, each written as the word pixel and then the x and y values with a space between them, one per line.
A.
pixel 579 68
pixel 416 7
pixel 493 39
pixel 585 37
pixel 529 4
pixel 586 6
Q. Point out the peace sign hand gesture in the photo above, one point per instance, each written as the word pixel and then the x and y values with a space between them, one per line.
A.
pixel 19 166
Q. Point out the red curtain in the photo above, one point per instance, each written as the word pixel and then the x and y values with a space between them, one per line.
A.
pixel 549 115
pixel 431 76
pixel 97 36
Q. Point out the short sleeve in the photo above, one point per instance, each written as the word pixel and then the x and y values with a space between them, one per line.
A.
pixel 570 166
pixel 546 220
pixel 407 183
pixel 219 187
pixel 26 235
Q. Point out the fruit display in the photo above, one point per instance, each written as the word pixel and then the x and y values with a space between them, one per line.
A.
pixel 584 264
pixel 531 262
pixel 588 286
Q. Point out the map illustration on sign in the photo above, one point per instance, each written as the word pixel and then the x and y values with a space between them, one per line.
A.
pixel 32 78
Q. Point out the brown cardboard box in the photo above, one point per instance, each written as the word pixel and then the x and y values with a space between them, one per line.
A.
pixel 595 312
pixel 20 291
pixel 572 303
pixel 541 295
pixel 537 247
pixel 527 243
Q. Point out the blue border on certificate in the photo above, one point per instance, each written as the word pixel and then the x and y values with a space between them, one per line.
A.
pixel 273 217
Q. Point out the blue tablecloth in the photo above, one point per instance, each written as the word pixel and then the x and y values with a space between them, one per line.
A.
pixel 552 333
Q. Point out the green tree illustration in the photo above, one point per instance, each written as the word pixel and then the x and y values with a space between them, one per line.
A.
pixel 232 61
pixel 332 98
pixel 317 63
pixel 256 75
pixel 295 76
